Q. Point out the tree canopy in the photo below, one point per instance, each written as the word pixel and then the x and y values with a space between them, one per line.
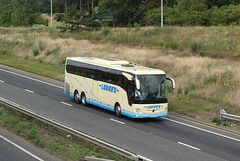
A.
pixel 19 12
pixel 125 12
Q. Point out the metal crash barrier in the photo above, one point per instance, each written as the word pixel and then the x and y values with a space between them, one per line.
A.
pixel 224 115
pixel 118 150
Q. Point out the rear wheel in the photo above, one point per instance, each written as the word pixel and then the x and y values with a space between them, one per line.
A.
pixel 76 97
pixel 83 98
pixel 118 110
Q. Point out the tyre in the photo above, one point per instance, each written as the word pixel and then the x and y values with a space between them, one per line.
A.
pixel 76 97
pixel 118 110
pixel 83 99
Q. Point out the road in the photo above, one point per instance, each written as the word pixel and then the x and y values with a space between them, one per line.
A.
pixel 158 139
pixel 13 148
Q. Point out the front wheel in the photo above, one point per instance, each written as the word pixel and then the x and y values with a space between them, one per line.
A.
pixel 118 110
pixel 83 98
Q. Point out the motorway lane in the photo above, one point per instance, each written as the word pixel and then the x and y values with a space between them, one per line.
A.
pixel 14 148
pixel 157 138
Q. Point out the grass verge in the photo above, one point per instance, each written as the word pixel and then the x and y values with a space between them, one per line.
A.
pixel 49 138
pixel 41 68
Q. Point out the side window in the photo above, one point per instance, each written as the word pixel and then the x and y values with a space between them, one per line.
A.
pixel 68 68
pixel 101 73
pixel 110 76
pixel 119 79
pixel 85 71
pixel 92 71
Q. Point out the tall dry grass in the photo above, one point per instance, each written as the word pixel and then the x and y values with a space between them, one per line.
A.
pixel 211 80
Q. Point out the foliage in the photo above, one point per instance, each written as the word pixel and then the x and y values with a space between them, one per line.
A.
pixel 125 12
pixel 231 15
pixel 19 12
pixel 75 20
pixel 216 120
pixel 153 17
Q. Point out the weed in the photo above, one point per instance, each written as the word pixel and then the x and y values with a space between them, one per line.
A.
pixel 210 80
pixel 171 45
pixel 13 121
pixel 23 126
pixel 40 60
pixel 35 52
pixel 225 123
pixel 106 31
pixel 189 87
pixel 40 143
pixel 41 46
pixel 197 48
pixel 33 134
pixel 19 131
pixel 179 90
pixel 26 57
pixel 55 51
pixel 29 42
pixel 216 120
pixel 24 117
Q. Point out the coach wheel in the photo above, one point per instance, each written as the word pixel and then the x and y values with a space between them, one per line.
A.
pixel 76 97
pixel 118 110
pixel 83 98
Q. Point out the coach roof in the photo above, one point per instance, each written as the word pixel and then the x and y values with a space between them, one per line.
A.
pixel 116 64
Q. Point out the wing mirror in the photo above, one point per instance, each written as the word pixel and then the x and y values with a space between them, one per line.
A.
pixel 138 84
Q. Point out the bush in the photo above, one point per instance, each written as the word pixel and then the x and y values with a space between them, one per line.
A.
pixel 41 20
pixel 137 25
pixel 33 134
pixel 106 31
pixel 41 46
pixel 35 52
pixel 217 15
pixel 216 120
pixel 55 51
pixel 59 17
pixel 197 48
pixel 231 15
pixel 153 17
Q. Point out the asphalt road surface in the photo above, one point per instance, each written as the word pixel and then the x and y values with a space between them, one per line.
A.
pixel 158 139
pixel 14 148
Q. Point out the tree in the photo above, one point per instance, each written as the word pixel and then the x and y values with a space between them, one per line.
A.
pixel 128 11
pixel 19 12
pixel 219 3
pixel 66 6
pixel 5 12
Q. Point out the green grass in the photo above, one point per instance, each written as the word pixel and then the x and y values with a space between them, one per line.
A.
pixel 186 105
pixel 48 70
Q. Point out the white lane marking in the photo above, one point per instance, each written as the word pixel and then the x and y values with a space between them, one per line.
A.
pixel 66 103
pixel 117 121
pixel 29 91
pixel 189 146
pixel 198 128
pixel 24 150
pixel 1 81
pixel 50 84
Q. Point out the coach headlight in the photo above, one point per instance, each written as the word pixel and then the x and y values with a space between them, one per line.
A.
pixel 138 111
